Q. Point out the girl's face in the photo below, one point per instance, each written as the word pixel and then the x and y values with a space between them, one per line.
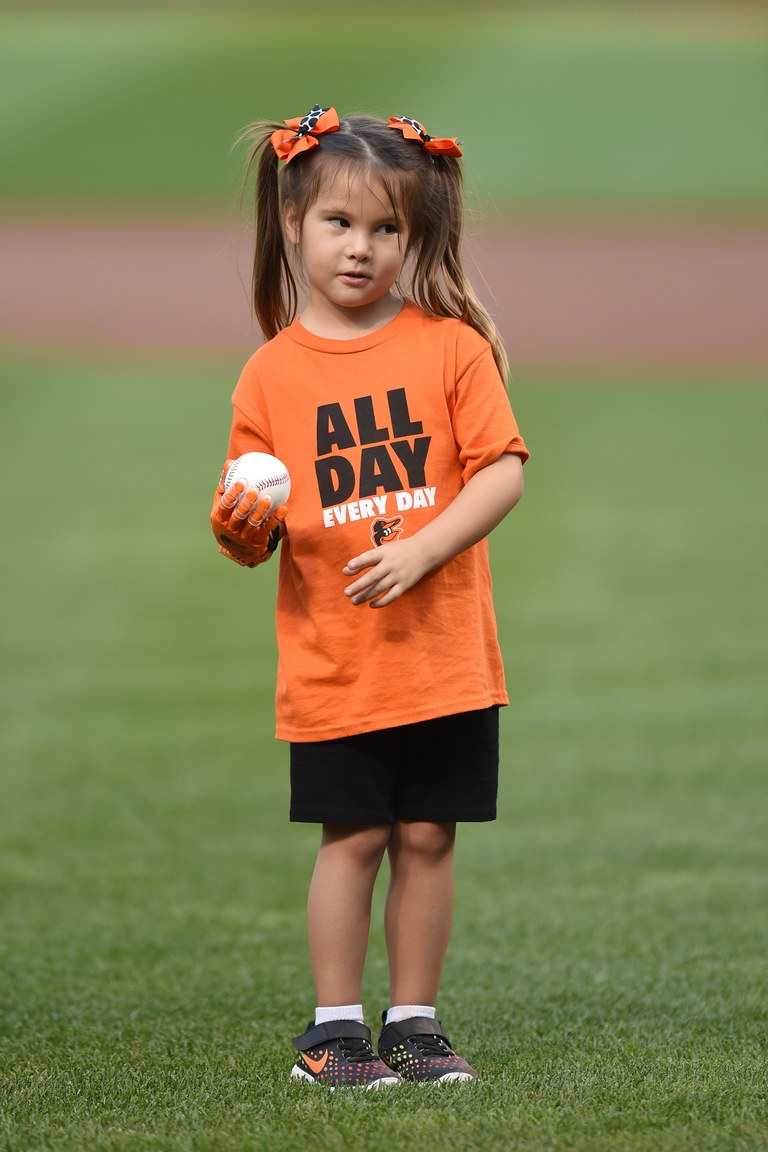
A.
pixel 351 250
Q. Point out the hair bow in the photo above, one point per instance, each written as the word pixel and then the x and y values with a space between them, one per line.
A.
pixel 413 130
pixel 303 132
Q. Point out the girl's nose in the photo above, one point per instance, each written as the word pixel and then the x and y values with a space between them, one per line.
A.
pixel 358 244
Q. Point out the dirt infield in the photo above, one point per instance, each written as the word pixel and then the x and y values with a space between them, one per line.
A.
pixel 575 295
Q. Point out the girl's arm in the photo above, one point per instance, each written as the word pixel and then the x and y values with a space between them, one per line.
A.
pixel 393 568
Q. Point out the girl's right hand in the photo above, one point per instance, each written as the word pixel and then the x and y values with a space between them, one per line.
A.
pixel 245 528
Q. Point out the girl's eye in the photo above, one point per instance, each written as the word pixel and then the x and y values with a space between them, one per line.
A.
pixel 388 229
pixel 339 221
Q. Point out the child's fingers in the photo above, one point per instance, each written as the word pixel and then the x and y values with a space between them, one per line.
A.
pixel 379 595
pixel 374 581
pixel 259 511
pixel 378 588
pixel 245 505
pixel 364 560
pixel 232 495
pixel 385 573
pixel 389 597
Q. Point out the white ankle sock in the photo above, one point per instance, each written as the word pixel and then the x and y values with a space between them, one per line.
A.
pixel 339 1012
pixel 405 1011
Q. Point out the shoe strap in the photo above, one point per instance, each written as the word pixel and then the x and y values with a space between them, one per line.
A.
pixel 331 1030
pixel 413 1026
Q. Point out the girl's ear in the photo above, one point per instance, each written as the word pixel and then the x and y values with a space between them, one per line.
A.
pixel 291 222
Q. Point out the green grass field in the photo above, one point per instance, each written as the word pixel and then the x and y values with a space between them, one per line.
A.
pixel 607 972
pixel 559 106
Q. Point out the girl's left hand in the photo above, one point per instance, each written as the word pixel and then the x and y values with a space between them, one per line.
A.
pixel 391 570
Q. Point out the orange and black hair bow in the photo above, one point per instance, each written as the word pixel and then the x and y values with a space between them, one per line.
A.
pixel 303 132
pixel 413 130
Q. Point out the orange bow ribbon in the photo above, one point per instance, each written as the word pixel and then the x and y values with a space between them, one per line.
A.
pixel 413 130
pixel 303 132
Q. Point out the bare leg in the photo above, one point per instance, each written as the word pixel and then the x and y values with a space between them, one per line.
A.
pixel 419 909
pixel 339 908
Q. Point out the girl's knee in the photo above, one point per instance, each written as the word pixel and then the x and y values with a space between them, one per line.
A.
pixel 424 838
pixel 363 844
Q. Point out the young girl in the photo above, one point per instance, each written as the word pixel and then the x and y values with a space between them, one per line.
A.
pixel 386 400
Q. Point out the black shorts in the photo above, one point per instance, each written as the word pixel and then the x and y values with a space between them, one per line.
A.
pixel 440 770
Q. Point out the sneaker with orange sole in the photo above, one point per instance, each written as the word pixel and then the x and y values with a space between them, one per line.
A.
pixel 339 1054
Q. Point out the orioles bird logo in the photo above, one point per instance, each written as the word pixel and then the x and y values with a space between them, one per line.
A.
pixel 385 530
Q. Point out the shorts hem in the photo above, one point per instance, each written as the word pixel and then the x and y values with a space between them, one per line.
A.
pixel 302 817
pixel 482 816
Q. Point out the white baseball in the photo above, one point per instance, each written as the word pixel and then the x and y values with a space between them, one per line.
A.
pixel 262 472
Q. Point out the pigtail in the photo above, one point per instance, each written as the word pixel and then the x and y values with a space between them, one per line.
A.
pixel 274 292
pixel 440 283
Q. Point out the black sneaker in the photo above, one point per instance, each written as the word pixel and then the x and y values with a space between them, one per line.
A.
pixel 419 1049
pixel 339 1054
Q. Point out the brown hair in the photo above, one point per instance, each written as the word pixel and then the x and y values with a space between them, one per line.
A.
pixel 426 189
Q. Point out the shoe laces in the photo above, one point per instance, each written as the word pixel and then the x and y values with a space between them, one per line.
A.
pixel 430 1045
pixel 356 1049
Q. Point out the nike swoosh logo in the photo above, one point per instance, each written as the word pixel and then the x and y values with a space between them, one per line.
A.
pixel 315 1066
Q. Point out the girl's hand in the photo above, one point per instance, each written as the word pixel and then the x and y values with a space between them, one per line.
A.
pixel 395 567
pixel 246 529
pixel 391 570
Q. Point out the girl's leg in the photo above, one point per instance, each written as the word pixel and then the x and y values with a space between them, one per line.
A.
pixel 419 909
pixel 339 908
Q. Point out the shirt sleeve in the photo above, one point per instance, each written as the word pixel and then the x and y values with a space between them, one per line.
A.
pixel 484 424
pixel 250 431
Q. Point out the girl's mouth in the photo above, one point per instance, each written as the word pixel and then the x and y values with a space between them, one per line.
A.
pixel 354 278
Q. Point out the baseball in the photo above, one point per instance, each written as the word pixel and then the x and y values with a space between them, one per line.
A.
pixel 262 472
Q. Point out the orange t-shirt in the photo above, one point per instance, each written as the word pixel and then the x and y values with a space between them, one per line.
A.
pixel 379 434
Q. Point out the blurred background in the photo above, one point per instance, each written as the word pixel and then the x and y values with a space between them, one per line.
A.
pixel 616 159
pixel 616 165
